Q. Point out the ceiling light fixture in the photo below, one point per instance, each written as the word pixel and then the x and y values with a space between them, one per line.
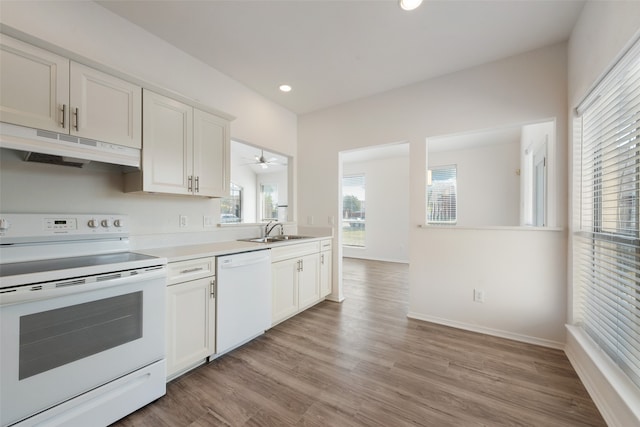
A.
pixel 285 88
pixel 409 4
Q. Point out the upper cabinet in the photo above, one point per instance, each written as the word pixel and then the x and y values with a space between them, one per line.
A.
pixel 104 107
pixel 185 150
pixel 211 154
pixel 42 90
pixel 34 86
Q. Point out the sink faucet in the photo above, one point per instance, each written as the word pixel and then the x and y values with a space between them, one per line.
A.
pixel 268 230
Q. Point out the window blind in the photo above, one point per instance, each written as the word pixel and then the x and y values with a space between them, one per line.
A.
pixel 442 197
pixel 606 240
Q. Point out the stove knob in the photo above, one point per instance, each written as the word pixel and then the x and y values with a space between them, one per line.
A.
pixel 4 224
pixel 106 223
pixel 93 223
pixel 118 223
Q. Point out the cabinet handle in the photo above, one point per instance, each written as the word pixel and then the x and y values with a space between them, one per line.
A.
pixel 197 184
pixel 190 187
pixel 322 259
pixel 191 270
pixel 212 287
pixel 299 261
pixel 64 116
pixel 77 116
pixel 301 265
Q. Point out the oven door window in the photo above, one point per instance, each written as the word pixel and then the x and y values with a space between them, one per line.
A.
pixel 53 338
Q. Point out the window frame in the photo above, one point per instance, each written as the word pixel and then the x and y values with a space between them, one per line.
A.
pixel 606 241
pixel 355 224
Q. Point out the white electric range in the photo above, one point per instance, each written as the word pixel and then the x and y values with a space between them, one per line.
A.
pixel 81 321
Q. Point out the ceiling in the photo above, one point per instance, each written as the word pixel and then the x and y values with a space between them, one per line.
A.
pixel 333 52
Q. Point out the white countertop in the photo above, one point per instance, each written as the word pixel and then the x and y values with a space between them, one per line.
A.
pixel 181 253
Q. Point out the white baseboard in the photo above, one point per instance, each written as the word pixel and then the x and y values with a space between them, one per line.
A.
pixel 489 331
pixel 333 298
pixel 616 397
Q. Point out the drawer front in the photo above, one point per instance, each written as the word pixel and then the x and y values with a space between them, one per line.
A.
pixel 192 269
pixel 325 245
pixel 294 251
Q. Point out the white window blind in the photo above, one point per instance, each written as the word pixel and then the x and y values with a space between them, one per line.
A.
pixel 607 241
pixel 442 197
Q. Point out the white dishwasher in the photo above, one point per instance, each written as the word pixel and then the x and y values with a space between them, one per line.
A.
pixel 244 298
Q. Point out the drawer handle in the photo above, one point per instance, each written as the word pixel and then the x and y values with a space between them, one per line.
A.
pixel 191 270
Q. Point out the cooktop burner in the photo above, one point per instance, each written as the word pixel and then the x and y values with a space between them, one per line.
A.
pixel 31 267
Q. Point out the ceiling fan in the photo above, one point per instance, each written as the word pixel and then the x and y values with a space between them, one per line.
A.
pixel 263 162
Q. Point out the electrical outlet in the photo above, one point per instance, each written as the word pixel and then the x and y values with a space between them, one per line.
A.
pixel 207 221
pixel 478 295
pixel 184 221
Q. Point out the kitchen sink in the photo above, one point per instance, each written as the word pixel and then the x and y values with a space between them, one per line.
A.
pixel 276 239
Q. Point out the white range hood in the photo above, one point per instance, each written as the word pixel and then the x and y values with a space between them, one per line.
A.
pixel 59 148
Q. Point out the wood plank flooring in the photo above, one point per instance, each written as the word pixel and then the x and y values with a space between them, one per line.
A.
pixel 364 363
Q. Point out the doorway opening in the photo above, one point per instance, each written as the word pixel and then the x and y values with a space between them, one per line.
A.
pixel 374 205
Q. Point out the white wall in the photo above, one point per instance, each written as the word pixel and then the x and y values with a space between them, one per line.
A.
pixel 488 188
pixel 246 178
pixel 91 31
pixel 520 89
pixel 280 179
pixel 603 32
pixel 387 210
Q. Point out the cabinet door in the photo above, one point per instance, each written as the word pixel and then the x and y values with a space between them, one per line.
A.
pixel 167 126
pixel 211 155
pixel 285 289
pixel 309 281
pixel 34 86
pixel 188 324
pixel 325 273
pixel 104 107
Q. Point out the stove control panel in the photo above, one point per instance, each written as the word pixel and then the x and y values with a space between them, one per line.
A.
pixel 28 228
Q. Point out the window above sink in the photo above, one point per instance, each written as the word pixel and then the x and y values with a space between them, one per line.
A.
pixel 260 189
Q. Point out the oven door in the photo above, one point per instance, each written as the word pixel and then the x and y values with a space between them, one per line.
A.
pixel 77 338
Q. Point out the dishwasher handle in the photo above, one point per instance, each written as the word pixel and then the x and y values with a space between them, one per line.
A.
pixel 228 262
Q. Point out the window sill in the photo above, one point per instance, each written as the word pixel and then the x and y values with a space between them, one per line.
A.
pixel 489 227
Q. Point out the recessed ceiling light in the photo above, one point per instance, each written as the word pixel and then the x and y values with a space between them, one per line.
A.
pixel 285 88
pixel 409 4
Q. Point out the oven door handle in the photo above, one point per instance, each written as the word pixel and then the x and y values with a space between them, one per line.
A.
pixel 59 288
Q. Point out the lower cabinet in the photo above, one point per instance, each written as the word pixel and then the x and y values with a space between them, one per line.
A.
pixel 325 268
pixel 285 289
pixel 297 278
pixel 309 281
pixel 190 321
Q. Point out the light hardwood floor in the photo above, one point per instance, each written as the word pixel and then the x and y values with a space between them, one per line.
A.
pixel 364 363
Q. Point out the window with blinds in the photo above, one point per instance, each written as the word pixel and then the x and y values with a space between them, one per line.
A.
pixel 442 197
pixel 606 248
